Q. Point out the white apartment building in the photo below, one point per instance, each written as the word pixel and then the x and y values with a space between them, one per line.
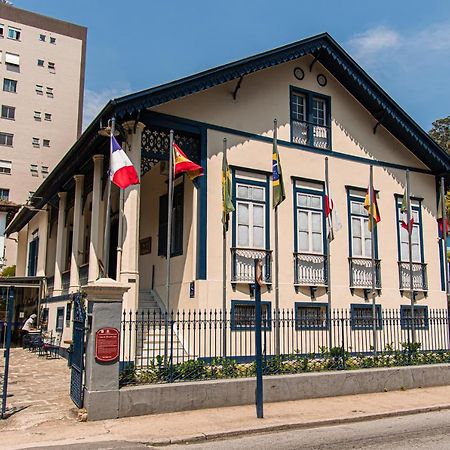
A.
pixel 42 66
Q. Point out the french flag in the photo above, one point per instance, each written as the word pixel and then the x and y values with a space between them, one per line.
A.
pixel 122 171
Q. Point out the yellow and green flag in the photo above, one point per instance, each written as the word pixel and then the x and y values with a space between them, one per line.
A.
pixel 227 201
pixel 278 192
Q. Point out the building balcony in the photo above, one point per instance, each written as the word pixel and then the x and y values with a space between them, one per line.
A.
pixel 419 276
pixel 361 273
pixel 310 270
pixel 243 265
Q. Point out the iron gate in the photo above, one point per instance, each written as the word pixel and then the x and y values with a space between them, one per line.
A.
pixel 77 357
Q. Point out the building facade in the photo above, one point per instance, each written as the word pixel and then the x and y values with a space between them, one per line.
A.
pixel 42 66
pixel 326 106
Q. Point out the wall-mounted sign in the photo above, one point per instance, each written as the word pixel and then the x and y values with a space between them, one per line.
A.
pixel 107 345
pixel 192 289
pixel 145 246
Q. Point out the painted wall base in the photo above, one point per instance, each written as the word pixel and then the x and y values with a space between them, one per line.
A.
pixel 156 399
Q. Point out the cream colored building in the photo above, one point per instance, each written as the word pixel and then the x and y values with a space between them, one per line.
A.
pixel 326 106
pixel 42 66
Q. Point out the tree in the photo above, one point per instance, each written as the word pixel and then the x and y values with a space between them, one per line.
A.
pixel 440 132
pixel 8 271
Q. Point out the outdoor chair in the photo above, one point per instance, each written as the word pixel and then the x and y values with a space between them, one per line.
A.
pixel 51 347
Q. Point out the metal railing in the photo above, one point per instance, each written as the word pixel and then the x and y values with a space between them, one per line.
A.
pixel 419 272
pixel 207 337
pixel 243 264
pixel 307 133
pixel 361 273
pixel 310 269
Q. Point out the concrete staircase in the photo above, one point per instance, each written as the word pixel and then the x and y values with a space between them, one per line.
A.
pixel 151 333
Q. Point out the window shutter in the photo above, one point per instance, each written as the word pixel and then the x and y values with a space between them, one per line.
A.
pixel 11 58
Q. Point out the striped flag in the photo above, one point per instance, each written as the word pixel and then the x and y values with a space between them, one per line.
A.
pixel 182 164
pixel 404 211
pixel 333 221
pixel 122 171
pixel 440 219
pixel 372 209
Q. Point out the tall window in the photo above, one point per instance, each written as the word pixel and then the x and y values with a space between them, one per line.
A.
pixel 310 119
pixel 177 223
pixel 33 251
pixel 8 112
pixel 416 235
pixel 310 221
pixel 361 240
pixel 9 85
pixel 250 215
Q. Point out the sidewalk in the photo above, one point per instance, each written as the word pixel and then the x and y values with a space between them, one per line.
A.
pixel 224 422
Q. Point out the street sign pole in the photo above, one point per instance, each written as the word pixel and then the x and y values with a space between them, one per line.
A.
pixel 258 340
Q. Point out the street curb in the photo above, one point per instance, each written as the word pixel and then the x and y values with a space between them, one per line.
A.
pixel 291 426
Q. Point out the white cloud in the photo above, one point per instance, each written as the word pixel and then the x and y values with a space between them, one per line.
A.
pixel 94 101
pixel 437 37
pixel 374 40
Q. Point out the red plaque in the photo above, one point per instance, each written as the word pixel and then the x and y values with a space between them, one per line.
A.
pixel 107 344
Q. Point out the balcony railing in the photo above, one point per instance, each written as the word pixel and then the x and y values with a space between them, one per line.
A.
pixel 310 269
pixel 243 265
pixel 361 273
pixel 419 275
pixel 306 133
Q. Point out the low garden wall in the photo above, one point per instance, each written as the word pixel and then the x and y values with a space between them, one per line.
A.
pixel 162 398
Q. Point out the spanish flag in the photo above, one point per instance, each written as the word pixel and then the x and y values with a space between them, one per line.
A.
pixel 182 164
pixel 279 194
pixel 374 212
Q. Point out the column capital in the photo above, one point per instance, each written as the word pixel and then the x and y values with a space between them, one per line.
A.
pixel 96 158
pixel 78 178
pixel 131 125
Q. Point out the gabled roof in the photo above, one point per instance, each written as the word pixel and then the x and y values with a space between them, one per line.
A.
pixel 324 49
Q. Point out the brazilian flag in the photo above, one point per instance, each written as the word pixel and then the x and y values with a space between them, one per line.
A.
pixel 227 201
pixel 278 192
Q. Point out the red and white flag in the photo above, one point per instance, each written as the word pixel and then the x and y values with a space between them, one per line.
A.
pixel 122 171
pixel 333 221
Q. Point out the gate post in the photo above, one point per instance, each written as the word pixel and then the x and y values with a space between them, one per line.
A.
pixel 101 397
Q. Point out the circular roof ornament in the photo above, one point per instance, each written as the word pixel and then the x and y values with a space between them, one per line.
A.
pixel 322 80
pixel 299 73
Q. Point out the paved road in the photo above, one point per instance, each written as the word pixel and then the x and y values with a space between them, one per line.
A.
pixel 421 431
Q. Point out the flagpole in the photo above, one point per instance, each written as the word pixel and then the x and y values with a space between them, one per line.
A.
pixel 411 278
pixel 169 241
pixel 444 242
pixel 372 223
pixel 224 262
pixel 106 243
pixel 328 255
pixel 277 267
pixel 120 240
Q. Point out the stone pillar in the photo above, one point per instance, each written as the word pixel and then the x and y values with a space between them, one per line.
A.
pixel 60 238
pixel 43 241
pixel 74 284
pixel 101 396
pixel 95 245
pixel 131 211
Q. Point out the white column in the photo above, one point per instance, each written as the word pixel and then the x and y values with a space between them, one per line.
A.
pixel 43 241
pixel 76 239
pixel 129 265
pixel 95 245
pixel 59 261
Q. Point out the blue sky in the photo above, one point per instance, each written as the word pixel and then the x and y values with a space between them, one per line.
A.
pixel 403 44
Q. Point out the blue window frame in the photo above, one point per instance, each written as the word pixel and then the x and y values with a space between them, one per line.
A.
pixel 417 233
pixel 310 118
pixel 59 319
pixel 251 215
pixel 311 316
pixel 360 239
pixel 421 321
pixel 361 316
pixel 33 254
pixel 243 315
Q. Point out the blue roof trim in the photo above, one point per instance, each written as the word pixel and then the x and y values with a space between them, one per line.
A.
pixel 335 59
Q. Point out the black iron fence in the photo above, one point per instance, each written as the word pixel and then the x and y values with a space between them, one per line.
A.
pixel 190 345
